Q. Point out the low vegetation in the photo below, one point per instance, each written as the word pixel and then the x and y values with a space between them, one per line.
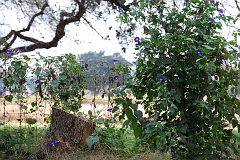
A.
pixel 35 143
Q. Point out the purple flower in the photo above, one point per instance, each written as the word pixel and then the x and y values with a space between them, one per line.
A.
pixel 210 20
pixel 220 11
pixel 73 77
pixel 161 79
pixel 109 109
pixel 37 81
pixel 19 50
pixel 8 51
pixel 115 78
pixel 114 61
pixel 127 99
pixel 134 63
pixel 136 39
pixel 52 143
pixel 199 51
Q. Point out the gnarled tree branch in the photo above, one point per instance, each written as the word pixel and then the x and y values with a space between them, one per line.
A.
pixel 59 32
pixel 18 33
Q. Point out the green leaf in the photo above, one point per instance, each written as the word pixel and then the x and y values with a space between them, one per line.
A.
pixel 18 64
pixel 234 123
pixel 126 123
pixel 135 126
pixel 91 140
pixel 33 104
pixel 134 13
pixel 138 114
pixel 195 1
pixel 54 84
pixel 98 129
pixel 26 58
pixel 162 135
pixel 137 131
pixel 100 120
pixel 193 86
pixel 121 117
pixel 134 106
pixel 182 139
pixel 168 36
pixel 95 139
pixel 142 5
pixel 9 98
pixel 189 39
pixel 31 121
pixel 116 91
pixel 183 129
pixel 155 138
pixel 129 113
pixel 47 119
pixel 208 47
pixel 199 158
pixel 62 76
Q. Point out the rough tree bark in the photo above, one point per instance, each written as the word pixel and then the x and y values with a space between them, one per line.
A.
pixel 70 128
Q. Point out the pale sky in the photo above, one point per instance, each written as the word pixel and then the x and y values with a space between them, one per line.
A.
pixel 92 41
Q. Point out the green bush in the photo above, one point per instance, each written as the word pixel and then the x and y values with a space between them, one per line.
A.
pixel 110 136
pixel 183 73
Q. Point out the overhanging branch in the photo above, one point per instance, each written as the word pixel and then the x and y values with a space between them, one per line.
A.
pixel 18 33
pixel 65 19
pixel 59 33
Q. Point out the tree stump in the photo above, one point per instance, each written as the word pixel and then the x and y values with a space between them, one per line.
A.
pixel 69 127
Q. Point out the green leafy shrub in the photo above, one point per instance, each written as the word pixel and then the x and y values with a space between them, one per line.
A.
pixel 110 136
pixel 184 71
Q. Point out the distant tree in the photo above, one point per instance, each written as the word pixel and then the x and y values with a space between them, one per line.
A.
pixel 96 57
pixel 101 69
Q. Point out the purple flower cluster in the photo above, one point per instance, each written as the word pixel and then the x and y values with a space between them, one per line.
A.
pixel 8 51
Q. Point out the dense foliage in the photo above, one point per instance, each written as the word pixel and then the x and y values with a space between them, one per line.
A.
pixel 184 71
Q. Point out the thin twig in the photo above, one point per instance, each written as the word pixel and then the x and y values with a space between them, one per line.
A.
pixel 237 5
pixel 92 27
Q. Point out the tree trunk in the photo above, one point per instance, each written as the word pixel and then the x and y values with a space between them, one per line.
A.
pixel 69 127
